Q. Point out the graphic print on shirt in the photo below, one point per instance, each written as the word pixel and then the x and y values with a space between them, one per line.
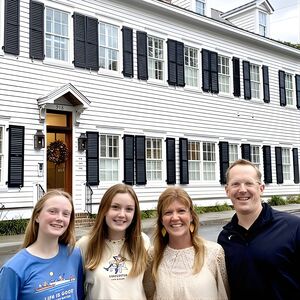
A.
pixel 117 266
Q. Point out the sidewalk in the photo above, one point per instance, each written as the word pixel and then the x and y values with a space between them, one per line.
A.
pixel 10 244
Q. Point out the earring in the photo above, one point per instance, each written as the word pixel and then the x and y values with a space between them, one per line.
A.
pixel 192 227
pixel 163 231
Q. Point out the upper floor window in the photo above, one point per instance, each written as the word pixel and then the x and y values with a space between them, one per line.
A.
pixel 289 88
pixel 223 73
pixel 255 156
pixel 209 161
pixel 286 164
pixel 194 160
pixel 200 7
pixel 233 153
pixel 255 81
pixel 155 58
pixel 154 159
pixel 109 157
pixel 262 23
pixel 57 34
pixel 191 66
pixel 1 154
pixel 108 46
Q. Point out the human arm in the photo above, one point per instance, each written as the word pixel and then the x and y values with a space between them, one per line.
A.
pixel 148 281
pixel 10 284
pixel 222 278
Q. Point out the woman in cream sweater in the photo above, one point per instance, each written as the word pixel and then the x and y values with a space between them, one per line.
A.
pixel 183 265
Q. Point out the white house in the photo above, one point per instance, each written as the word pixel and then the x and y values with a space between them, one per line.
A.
pixel 146 92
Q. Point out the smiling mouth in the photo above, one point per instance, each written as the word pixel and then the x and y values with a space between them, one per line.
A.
pixel 57 226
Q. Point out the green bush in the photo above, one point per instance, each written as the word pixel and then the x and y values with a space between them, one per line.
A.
pixel 277 200
pixel 293 199
pixel 147 214
pixel 11 227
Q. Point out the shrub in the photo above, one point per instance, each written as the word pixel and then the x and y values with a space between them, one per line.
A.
pixel 277 200
pixel 11 227
pixel 147 214
pixel 293 199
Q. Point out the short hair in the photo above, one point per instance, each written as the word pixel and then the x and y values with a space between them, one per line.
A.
pixel 243 162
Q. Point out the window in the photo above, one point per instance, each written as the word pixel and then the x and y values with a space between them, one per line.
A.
pixel 194 160
pixel 286 164
pixel 289 88
pixel 255 156
pixel 109 157
pixel 1 154
pixel 255 81
pixel 233 153
pixel 57 34
pixel 223 73
pixel 209 161
pixel 155 58
pixel 262 23
pixel 108 46
pixel 154 159
pixel 200 7
pixel 191 66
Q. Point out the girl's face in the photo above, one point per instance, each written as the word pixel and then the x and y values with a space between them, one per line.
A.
pixel 119 216
pixel 54 217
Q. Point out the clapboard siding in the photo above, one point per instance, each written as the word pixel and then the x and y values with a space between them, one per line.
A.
pixel 145 107
pixel 245 20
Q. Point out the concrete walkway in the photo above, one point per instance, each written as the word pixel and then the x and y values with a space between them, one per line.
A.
pixel 10 244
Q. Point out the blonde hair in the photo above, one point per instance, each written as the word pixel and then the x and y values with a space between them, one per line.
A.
pixel 134 243
pixel 170 195
pixel 32 229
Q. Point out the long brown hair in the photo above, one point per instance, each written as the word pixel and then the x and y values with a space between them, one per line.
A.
pixel 32 229
pixel 170 195
pixel 134 243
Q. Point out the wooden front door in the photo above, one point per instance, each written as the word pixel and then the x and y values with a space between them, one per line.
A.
pixel 59 139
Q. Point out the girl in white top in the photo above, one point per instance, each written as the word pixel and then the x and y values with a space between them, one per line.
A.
pixel 115 251
pixel 184 266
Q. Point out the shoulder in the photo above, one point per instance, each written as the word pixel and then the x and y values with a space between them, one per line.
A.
pixel 286 217
pixel 82 243
pixel 19 262
pixel 213 248
pixel 146 240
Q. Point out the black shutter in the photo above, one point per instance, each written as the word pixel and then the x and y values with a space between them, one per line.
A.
pixel 171 161
pixel 127 51
pixel 79 40
pixel 246 151
pixel 278 158
pixel 266 84
pixel 236 77
pixel 180 63
pixel 142 60
pixel 92 158
pixel 12 27
pixel 281 76
pixel 172 62
pixel 297 79
pixel 296 165
pixel 36 30
pixel 16 156
pixel 205 70
pixel 184 162
pixel 140 159
pixel 247 82
pixel 267 164
pixel 214 80
pixel 91 45
pixel 224 160
pixel 128 159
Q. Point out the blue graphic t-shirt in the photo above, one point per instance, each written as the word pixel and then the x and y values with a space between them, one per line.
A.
pixel 29 277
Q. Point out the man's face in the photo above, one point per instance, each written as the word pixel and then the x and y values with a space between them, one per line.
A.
pixel 244 189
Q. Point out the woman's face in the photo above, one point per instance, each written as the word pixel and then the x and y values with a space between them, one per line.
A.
pixel 177 219
pixel 120 215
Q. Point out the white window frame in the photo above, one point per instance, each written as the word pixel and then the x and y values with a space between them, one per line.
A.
pixel 262 23
pixel 109 158
pixel 191 69
pixel 286 164
pixel 213 163
pixel 4 124
pixel 233 152
pixel 69 38
pixel 255 79
pixel 289 89
pixel 118 49
pixel 1 26
pixel 200 7
pixel 255 153
pixel 194 160
pixel 2 156
pixel 151 173
pixel 224 75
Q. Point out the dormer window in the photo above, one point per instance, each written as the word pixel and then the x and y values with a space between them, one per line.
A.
pixel 200 7
pixel 262 23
